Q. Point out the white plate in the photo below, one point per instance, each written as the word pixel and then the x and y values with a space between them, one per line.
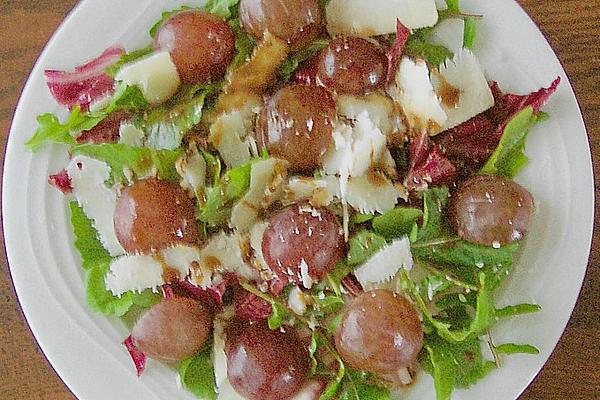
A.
pixel 85 348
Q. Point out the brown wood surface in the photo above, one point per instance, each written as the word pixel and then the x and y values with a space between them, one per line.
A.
pixel 572 28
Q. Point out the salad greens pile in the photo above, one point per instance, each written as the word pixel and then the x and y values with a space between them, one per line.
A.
pixel 453 283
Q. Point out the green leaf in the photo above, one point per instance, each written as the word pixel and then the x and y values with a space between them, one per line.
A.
pixel 363 245
pixel 219 198
pixel 454 364
pixel 164 16
pixel 453 5
pixel 146 298
pixel 334 277
pixel 86 239
pixel 222 8
pixel 512 348
pixel 328 304
pixel 358 218
pixel 237 181
pixel 518 309
pixel 434 54
pixel 139 160
pixel 434 202
pixel 197 374
pixel 470 32
pixel 397 222
pixel 332 387
pixel 50 130
pixel 465 260
pixel 101 299
pixel 279 315
pixel 290 64
pixel 509 157
pixel 483 318
pixel 127 58
pixel 244 45
pixel 356 387
pixel 165 126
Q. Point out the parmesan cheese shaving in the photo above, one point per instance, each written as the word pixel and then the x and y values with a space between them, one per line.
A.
pixel 137 272
pixel 266 184
pixel 414 93
pixel 88 177
pixel 384 265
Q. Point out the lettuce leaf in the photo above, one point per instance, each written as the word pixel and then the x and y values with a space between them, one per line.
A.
pixel 396 222
pixel 138 160
pixel 363 245
pixel 454 364
pixel 513 348
pixel 95 261
pixel 127 58
pixel 222 8
pixel 290 64
pixel 434 202
pixel 51 130
pixel 165 126
pixel 197 374
pixel 86 239
pixel 509 157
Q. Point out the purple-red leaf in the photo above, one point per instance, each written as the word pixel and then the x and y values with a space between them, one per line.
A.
pixel 62 181
pixel 428 164
pixel 396 50
pixel 471 143
pixel 251 307
pixel 86 83
pixel 137 356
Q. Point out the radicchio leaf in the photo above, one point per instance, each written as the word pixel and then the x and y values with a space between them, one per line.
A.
pixel 251 307
pixel 137 356
pixel 62 181
pixel 396 50
pixel 86 83
pixel 428 164
pixel 107 130
pixel 471 143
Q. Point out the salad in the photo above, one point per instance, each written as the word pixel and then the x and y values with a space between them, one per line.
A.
pixel 299 200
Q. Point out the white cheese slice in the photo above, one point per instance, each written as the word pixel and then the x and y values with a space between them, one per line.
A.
pixel 463 88
pixel 88 177
pixel 137 272
pixel 414 93
pixel 298 300
pixel 156 75
pixel 131 135
pixel 372 193
pixel 191 166
pixel 380 109
pixel 320 192
pixel 223 253
pixel 378 17
pixel 228 134
pixel 354 149
pixel 266 184
pixel 385 264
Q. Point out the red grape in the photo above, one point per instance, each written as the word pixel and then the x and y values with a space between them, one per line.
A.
pixel 201 44
pixel 352 65
pixel 263 364
pixel 152 214
pixel 380 333
pixel 297 22
pixel 303 243
pixel 491 210
pixel 173 329
pixel 297 124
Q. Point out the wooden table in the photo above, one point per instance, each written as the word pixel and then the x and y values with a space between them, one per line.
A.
pixel 573 29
